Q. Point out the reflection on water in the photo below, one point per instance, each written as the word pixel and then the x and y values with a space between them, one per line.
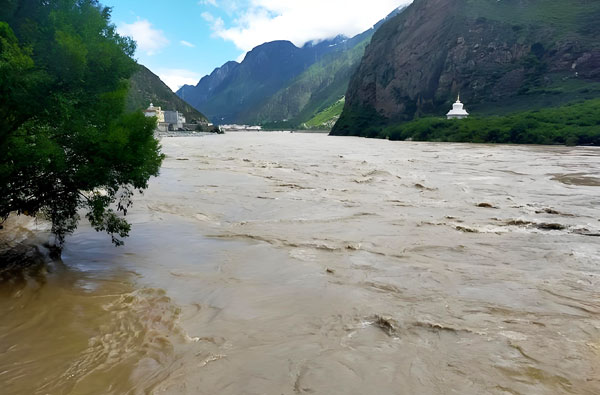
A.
pixel 291 263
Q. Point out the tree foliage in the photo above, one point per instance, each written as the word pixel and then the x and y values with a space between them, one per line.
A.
pixel 66 143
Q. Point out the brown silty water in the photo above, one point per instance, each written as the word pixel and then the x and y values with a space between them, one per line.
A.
pixel 277 263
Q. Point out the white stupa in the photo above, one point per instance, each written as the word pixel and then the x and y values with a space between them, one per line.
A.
pixel 457 112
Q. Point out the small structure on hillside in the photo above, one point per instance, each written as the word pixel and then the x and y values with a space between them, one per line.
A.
pixel 157 112
pixel 458 111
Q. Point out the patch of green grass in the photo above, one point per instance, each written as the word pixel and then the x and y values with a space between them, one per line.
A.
pixel 326 118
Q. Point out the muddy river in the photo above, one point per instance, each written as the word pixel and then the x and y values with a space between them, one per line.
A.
pixel 278 263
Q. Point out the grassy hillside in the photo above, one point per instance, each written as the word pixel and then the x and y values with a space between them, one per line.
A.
pixel 326 118
pixel 146 87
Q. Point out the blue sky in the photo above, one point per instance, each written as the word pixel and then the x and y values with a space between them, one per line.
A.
pixel 183 40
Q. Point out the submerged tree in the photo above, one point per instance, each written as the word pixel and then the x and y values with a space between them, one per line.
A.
pixel 66 143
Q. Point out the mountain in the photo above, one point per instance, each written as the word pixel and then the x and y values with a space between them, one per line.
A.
pixel 502 56
pixel 314 90
pixel 207 87
pixel 278 81
pixel 231 90
pixel 146 87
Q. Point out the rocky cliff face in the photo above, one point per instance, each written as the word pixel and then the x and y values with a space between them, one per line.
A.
pixel 500 55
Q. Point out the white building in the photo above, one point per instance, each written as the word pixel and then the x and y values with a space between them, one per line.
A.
pixel 157 112
pixel 458 111
pixel 175 119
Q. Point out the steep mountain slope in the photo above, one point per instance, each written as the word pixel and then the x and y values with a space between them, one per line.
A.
pixel 317 88
pixel 502 56
pixel 146 87
pixel 199 94
pixel 326 118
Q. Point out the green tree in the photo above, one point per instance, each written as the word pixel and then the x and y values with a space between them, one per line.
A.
pixel 66 143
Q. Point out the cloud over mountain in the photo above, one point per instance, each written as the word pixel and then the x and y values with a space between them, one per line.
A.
pixel 149 40
pixel 259 21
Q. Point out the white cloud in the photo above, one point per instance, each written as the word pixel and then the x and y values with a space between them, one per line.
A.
pixel 216 23
pixel 241 57
pixel 229 6
pixel 176 78
pixel 149 40
pixel 259 21
pixel 187 44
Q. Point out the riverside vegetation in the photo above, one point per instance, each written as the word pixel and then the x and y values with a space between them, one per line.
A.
pixel 64 75
pixel 574 124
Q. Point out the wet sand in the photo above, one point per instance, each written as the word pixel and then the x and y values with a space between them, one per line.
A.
pixel 300 263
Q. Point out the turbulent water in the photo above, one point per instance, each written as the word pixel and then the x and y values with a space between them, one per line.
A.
pixel 277 263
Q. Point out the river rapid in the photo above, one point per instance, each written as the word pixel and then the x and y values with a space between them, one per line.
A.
pixel 279 263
